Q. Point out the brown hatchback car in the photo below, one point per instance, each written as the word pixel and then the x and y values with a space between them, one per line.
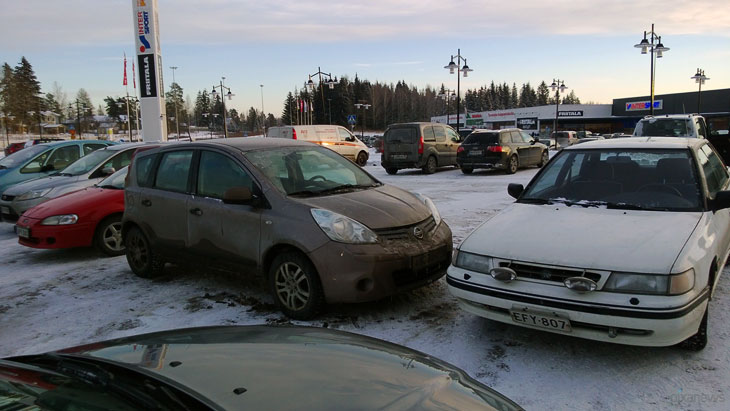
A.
pixel 316 226
pixel 506 149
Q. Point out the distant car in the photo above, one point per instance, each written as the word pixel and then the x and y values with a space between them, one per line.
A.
pixel 506 149
pixel 672 125
pixel 85 172
pixel 336 138
pixel 15 147
pixel 242 367
pixel 419 145
pixel 90 216
pixel 44 159
pixel 316 227
pixel 648 225
pixel 564 138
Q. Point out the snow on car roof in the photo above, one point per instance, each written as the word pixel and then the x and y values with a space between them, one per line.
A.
pixel 639 143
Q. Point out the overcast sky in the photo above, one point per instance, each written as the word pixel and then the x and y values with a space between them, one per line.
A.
pixel 277 43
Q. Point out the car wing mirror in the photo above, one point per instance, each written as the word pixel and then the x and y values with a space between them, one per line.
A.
pixel 47 167
pixel 515 190
pixel 721 201
pixel 238 195
pixel 107 171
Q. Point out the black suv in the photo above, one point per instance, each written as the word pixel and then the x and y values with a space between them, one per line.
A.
pixel 419 145
pixel 506 149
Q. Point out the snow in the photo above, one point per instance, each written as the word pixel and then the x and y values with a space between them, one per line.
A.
pixel 50 299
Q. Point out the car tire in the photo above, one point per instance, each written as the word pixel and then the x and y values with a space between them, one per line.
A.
pixel 391 170
pixel 108 236
pixel 143 261
pixel 362 159
pixel 544 157
pixel 295 285
pixel 466 170
pixel 512 164
pixel 698 341
pixel 430 166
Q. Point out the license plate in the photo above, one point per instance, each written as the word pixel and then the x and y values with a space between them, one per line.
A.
pixel 398 157
pixel 5 210
pixel 476 152
pixel 541 319
pixel 23 232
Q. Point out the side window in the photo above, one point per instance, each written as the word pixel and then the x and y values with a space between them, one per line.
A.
pixel 217 173
pixel 119 161
pixel 516 138
pixel 344 134
pixel 451 135
pixel 173 171
pixel 143 167
pixel 89 147
pixel 63 156
pixel 35 165
pixel 440 134
pixel 701 130
pixel 428 134
pixel 525 137
pixel 715 172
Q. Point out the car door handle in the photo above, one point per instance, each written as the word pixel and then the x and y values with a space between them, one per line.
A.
pixel 196 211
pixel 146 203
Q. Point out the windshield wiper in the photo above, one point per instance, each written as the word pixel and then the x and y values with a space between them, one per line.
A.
pixel 110 186
pixel 625 206
pixel 332 190
pixel 534 200
pixel 63 174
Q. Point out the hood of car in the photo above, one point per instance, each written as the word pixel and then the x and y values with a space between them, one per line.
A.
pixel 380 207
pixel 595 238
pixel 77 202
pixel 289 367
pixel 42 183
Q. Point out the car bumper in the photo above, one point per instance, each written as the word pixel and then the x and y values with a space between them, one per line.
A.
pixel 58 236
pixel 481 164
pixel 358 273
pixel 10 211
pixel 623 325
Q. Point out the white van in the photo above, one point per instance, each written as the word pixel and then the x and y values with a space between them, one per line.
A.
pixel 336 138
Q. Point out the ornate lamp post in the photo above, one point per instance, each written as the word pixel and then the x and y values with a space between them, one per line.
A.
pixel 329 81
pixel 364 107
pixel 460 71
pixel 656 52
pixel 700 79
pixel 557 86
pixel 230 95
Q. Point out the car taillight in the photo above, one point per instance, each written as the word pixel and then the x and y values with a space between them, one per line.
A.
pixel 495 149
pixel 420 146
pixel 294 134
pixel 460 149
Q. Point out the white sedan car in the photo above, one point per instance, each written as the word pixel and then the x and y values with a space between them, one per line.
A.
pixel 615 240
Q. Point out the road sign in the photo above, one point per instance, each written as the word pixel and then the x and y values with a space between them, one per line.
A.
pixel 351 119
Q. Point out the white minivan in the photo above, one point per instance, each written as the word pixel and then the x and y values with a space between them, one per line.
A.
pixel 336 138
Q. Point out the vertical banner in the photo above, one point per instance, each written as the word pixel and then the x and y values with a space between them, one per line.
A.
pixel 149 64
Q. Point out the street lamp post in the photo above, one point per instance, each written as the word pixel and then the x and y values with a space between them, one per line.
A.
pixel 364 107
pixel 330 82
pixel 129 123
pixel 229 95
pixel 177 121
pixel 447 96
pixel 557 86
pixel 456 67
pixel 700 79
pixel 263 113
pixel 656 52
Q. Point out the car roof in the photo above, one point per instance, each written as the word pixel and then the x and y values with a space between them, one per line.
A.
pixel 243 143
pixel 640 143
pixel 123 146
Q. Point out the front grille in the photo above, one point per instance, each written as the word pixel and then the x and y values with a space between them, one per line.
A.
pixel 423 267
pixel 557 275
pixel 406 232
pixel 8 197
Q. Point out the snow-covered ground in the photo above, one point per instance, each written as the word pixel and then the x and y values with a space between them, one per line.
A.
pixel 51 299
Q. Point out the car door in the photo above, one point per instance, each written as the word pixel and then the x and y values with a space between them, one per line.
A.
pixel 453 141
pixel 533 149
pixel 716 179
pixel 346 145
pixel 442 146
pixel 522 148
pixel 164 205
pixel 226 233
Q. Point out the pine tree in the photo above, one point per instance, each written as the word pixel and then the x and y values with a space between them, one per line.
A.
pixel 26 92
pixel 543 94
pixel 288 114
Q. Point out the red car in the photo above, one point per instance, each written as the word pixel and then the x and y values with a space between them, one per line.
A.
pixel 91 216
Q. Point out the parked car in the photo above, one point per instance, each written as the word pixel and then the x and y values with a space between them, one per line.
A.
pixel 43 159
pixel 85 172
pixel 90 216
pixel 15 147
pixel 419 145
pixel 242 367
pixel 506 149
pixel 564 138
pixel 336 138
pixel 316 226
pixel 672 125
pixel 648 225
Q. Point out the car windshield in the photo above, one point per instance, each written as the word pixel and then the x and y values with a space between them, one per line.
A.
pixel 651 179
pixel 115 180
pixel 88 162
pixel 310 171
pixel 663 127
pixel 19 158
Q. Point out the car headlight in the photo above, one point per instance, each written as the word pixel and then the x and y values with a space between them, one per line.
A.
pixel 473 262
pixel 33 194
pixel 343 229
pixel 431 206
pixel 651 284
pixel 65 219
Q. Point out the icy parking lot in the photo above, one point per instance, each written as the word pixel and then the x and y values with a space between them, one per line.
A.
pixel 51 299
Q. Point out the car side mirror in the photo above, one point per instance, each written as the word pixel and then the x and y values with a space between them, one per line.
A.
pixel 721 201
pixel 107 171
pixel 238 195
pixel 456 139
pixel 47 167
pixel 515 190
pixel 351 138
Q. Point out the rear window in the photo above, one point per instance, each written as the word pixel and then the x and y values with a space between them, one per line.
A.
pixel 401 135
pixel 490 139
pixel 663 127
